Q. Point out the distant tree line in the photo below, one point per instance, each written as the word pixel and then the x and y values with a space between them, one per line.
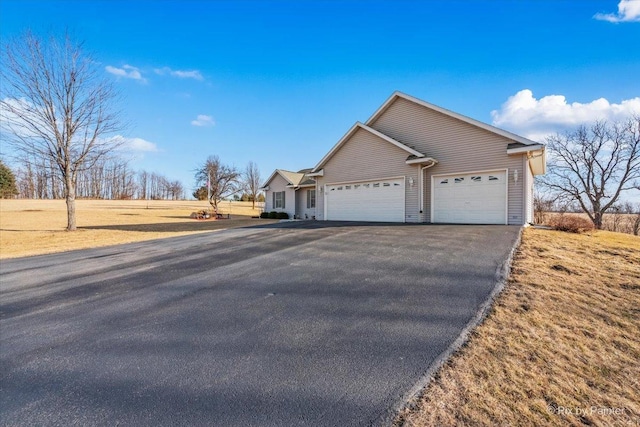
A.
pixel 108 178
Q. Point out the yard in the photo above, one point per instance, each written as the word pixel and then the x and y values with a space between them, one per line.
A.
pixel 561 345
pixel 34 227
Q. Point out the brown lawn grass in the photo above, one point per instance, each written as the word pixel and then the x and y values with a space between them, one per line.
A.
pixel 33 227
pixel 561 345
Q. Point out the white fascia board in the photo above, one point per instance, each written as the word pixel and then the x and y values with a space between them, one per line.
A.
pixel 449 113
pixel 350 133
pixel 296 187
pixel 421 160
pixel 265 188
pixel 526 149
pixel 319 173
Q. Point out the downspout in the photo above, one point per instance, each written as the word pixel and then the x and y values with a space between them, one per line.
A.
pixel 422 169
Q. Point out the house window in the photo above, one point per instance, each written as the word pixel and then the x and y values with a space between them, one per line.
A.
pixel 476 178
pixel 311 199
pixel 376 185
pixel 347 187
pixel 493 178
pixel 444 181
pixel 386 184
pixel 458 180
pixel 278 200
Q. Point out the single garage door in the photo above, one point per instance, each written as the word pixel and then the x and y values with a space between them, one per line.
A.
pixel 380 200
pixel 474 198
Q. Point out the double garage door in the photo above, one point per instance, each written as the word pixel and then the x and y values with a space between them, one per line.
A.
pixel 381 200
pixel 472 198
pixel 475 198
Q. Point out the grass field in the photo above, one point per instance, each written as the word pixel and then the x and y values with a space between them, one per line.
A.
pixel 33 227
pixel 560 347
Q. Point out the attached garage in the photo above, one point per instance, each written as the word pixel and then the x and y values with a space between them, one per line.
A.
pixel 413 161
pixel 377 200
pixel 470 198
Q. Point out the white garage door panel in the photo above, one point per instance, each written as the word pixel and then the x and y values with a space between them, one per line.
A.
pixel 476 198
pixel 381 200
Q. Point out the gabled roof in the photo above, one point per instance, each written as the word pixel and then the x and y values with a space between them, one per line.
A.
pixel 352 131
pixel 293 179
pixel 397 95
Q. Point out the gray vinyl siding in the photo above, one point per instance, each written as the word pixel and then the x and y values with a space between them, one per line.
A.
pixel 367 157
pixel 301 204
pixel 458 146
pixel 278 184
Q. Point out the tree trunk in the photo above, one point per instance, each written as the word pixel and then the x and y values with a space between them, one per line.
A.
pixel 597 220
pixel 71 205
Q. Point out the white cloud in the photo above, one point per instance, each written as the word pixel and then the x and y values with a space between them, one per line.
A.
pixel 203 120
pixel 127 72
pixel 183 74
pixel 536 119
pixel 11 121
pixel 628 11
pixel 137 145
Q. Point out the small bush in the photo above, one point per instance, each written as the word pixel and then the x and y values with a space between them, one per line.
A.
pixel 283 215
pixel 264 215
pixel 273 214
pixel 571 224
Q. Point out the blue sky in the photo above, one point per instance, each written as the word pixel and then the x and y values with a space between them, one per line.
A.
pixel 280 82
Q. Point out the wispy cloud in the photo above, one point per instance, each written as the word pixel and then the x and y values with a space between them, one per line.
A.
pixel 137 145
pixel 628 11
pixel 182 74
pixel 203 120
pixel 127 72
pixel 536 119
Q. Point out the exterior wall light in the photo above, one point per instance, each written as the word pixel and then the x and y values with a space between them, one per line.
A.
pixel 515 175
pixel 411 182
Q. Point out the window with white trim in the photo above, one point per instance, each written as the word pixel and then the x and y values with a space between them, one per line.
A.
pixel 278 200
pixel 311 199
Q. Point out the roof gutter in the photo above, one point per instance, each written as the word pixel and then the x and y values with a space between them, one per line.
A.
pixel 422 169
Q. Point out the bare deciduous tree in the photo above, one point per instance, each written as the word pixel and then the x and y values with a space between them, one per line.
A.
pixel 223 180
pixel 56 107
pixel 252 182
pixel 594 165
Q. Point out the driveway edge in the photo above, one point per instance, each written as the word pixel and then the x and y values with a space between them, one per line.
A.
pixel 410 398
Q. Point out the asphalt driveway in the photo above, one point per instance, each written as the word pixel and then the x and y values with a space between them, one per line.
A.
pixel 320 324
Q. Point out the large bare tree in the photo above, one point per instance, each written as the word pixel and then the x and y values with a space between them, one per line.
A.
pixel 252 182
pixel 595 164
pixel 222 180
pixel 57 106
